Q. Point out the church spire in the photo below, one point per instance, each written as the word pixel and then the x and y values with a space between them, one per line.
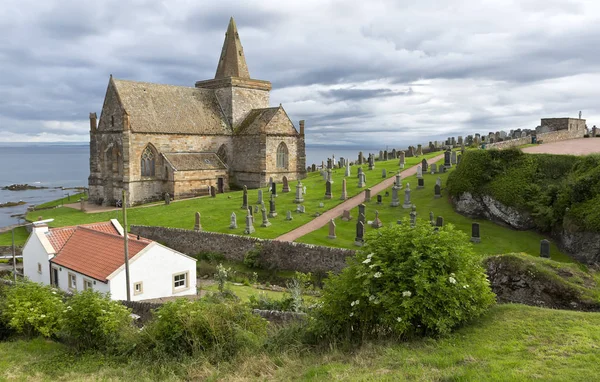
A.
pixel 232 62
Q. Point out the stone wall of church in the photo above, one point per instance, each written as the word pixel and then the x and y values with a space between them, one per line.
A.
pixel 249 162
pixel 194 183
pixel 107 167
pixel 273 142
pixel 236 102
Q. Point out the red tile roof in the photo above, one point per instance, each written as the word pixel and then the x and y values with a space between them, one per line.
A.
pixel 96 254
pixel 59 236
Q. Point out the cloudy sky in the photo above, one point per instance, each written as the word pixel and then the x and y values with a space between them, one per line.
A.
pixel 356 71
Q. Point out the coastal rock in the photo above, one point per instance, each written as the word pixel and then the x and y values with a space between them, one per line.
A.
pixel 583 246
pixel 483 206
pixel 22 187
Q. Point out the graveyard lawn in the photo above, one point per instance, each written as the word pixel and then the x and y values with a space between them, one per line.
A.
pixel 216 211
pixel 511 343
pixel 495 239
pixel 21 236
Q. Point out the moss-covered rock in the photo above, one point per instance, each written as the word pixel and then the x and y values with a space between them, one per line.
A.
pixel 520 278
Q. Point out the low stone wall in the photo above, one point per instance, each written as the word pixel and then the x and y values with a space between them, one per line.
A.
pixel 278 254
pixel 7 250
pixel 279 317
pixel 510 143
pixel 561 135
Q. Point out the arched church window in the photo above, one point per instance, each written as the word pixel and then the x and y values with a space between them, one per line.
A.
pixel 282 156
pixel 222 154
pixel 148 162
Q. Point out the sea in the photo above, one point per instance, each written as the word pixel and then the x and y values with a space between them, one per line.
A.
pixel 62 167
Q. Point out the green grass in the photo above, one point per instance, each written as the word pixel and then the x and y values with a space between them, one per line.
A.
pixel 21 236
pixel 512 343
pixel 495 239
pixel 216 212
pixel 244 292
pixel 59 202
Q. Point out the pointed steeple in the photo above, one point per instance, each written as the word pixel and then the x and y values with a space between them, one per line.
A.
pixel 232 62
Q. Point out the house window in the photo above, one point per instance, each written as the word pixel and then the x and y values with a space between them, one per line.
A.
pixel 180 281
pixel 282 156
pixel 39 268
pixel 148 162
pixel 138 288
pixel 87 284
pixel 72 281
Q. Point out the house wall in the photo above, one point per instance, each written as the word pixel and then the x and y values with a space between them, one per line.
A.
pixel 154 268
pixel 34 253
pixel 63 281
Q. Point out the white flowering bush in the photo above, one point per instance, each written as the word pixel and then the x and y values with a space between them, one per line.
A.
pixel 91 320
pixel 405 281
pixel 32 309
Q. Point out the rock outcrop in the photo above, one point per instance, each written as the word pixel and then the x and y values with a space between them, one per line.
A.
pixel 483 206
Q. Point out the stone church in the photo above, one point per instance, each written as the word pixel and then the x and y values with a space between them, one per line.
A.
pixel 154 139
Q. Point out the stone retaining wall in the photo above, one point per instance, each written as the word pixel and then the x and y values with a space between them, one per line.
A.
pixel 278 254
pixel 560 135
pixel 510 143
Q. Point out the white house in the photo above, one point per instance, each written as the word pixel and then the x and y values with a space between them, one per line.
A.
pixel 92 256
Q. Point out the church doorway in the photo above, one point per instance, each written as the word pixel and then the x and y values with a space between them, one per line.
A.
pixel 220 185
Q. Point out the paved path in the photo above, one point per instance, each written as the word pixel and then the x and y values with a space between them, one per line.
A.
pixel 582 146
pixel 337 211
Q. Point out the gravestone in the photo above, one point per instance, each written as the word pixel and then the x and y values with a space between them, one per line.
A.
pixel 329 179
pixel 286 186
pixel 433 168
pixel 303 190
pixel 361 158
pixel 344 195
pixel 249 224
pixel 387 193
pixel 299 199
pixel 384 173
pixel 324 175
pixel 371 161
pixel 360 171
pixel 257 208
pixel 424 165
pixel 300 208
pixel 362 210
pixel 377 222
pixel 362 181
pixel 545 248
pixel 398 182
pixel 419 151
pixel 360 232
pixel 440 221
pixel 420 183
pixel 233 221
pixel 197 225
pixel 213 192
pixel 385 155
pixel 458 159
pixel 346 217
pixel 431 218
pixel 379 199
pixel 437 190
pixel 245 198
pixel 453 158
pixel 260 197
pixel 329 164
pixel 395 201
pixel 419 172
pixel 331 230
pixel 407 203
pixel 314 167
pixel 321 205
pixel 272 212
pixel 380 155
pixel 413 218
pixel 443 169
pixel 265 220
pixel 475 236
pixel 447 155
pixel 288 216
pixel 402 160
pixel 368 195
pixel 347 172
pixel 438 181
pixel 393 154
pixel 167 198
pixel 328 194
pixel 274 189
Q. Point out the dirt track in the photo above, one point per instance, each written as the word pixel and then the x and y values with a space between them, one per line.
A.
pixel 583 146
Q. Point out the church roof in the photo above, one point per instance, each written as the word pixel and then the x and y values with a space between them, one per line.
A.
pixel 194 161
pixel 232 62
pixel 256 121
pixel 168 109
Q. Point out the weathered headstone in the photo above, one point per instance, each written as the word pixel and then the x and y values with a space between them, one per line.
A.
pixel 346 216
pixel 274 189
pixel 398 182
pixel 384 173
pixel 272 211
pixel 437 191
pixel 545 248
pixel 249 224
pixel 360 171
pixel 344 194
pixel 368 195
pixel 424 165
pixel 260 197
pixel 299 198
pixel 419 172
pixel 371 161
pixel 197 225
pixel 329 179
pixel 395 200
pixel 438 181
pixel 362 180
pixel 288 216
pixel 420 183
pixel 286 185
pixel 377 222
pixel 453 158
pixel 402 160
pixel 347 172
pixel 440 221
pixel 379 199
pixel 419 151
pixel 331 230
pixel 245 198
pixel 361 158
pixel 407 203
pixel 431 218
pixel 233 223
pixel 360 232
pixel 300 208
pixel 362 210
pixel 213 192
pixel 433 168
pixel 314 167
pixel 475 236
pixel 167 198
pixel 328 194
pixel 447 155
pixel 413 217
pixel 265 220
pixel 385 155
pixel 321 205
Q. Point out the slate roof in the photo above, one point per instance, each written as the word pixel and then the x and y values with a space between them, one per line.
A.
pixel 96 254
pixel 59 236
pixel 256 121
pixel 157 108
pixel 232 62
pixel 194 161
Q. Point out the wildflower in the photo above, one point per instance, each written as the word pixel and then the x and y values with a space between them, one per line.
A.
pixel 399 319
pixel 452 280
pixel 367 260
pixel 466 286
pixel 69 307
pixel 370 255
pixel 53 292
pixel 351 314
pixel 371 298
pixel 372 265
pixel 43 316
pixel 377 275
pixel 406 293
pixel 354 303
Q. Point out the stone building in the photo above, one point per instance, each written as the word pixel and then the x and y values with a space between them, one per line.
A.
pixel 154 139
pixel 548 125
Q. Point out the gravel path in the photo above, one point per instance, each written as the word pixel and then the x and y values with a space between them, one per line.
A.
pixel 582 146
pixel 347 205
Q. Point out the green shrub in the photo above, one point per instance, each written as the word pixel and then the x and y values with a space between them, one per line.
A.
pixel 405 281
pixel 252 257
pixel 211 257
pixel 93 321
pixel 264 302
pixel 5 330
pixel 219 330
pixel 33 309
